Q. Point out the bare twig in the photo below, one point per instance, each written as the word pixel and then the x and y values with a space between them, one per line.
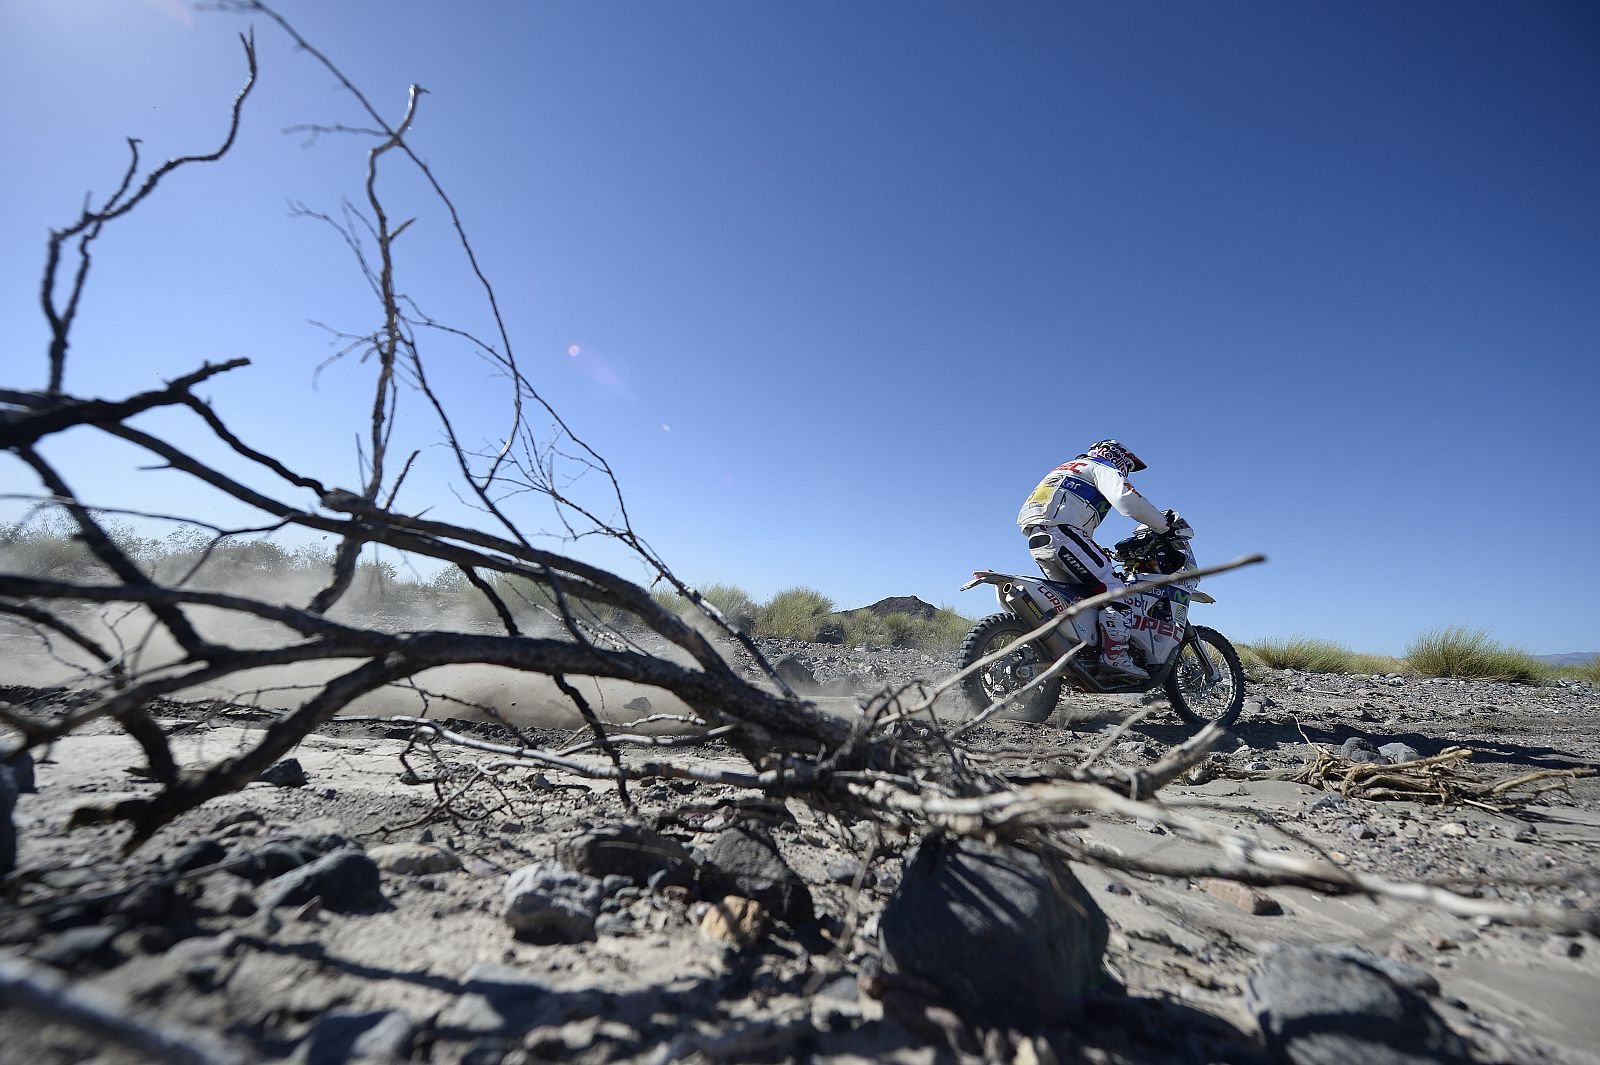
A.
pixel 56 997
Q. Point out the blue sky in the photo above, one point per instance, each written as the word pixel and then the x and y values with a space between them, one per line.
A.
pixel 844 280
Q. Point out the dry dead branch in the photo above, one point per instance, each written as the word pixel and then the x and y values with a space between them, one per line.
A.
pixel 1445 779
pixel 56 998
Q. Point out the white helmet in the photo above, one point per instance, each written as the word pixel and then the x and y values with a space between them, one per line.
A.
pixel 1113 453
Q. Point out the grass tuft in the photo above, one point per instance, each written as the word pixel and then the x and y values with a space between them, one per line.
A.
pixel 734 603
pixel 1306 654
pixel 793 614
pixel 1589 671
pixel 1456 651
pixel 1380 664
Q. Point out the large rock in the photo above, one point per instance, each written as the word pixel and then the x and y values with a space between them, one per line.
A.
pixel 85 949
pixel 1360 749
pixel 287 773
pixel 21 766
pixel 1332 1005
pixel 736 921
pixel 745 861
pixel 346 881
pixel 342 1036
pixel 8 827
pixel 414 859
pixel 1398 752
pixel 546 900
pixel 1007 937
pixel 626 850
pixel 199 853
pixel 796 673
pixel 271 859
pixel 279 854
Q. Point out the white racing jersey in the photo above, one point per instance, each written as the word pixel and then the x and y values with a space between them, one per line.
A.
pixel 1080 493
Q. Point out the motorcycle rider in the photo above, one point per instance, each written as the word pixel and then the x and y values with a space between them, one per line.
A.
pixel 1059 520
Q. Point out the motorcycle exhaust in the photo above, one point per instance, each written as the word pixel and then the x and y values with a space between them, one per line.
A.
pixel 1035 602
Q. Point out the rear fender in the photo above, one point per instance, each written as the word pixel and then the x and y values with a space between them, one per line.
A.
pixel 999 580
pixel 987 576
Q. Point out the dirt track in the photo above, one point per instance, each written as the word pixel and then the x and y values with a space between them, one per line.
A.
pixel 438 951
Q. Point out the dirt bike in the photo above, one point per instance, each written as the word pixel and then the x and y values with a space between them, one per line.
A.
pixel 1196 666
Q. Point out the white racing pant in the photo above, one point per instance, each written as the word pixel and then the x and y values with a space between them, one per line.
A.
pixel 1068 555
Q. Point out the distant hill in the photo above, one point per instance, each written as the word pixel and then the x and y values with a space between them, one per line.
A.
pixel 1572 658
pixel 899 604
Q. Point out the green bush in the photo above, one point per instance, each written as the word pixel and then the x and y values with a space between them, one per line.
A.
pixel 794 614
pixel 1456 651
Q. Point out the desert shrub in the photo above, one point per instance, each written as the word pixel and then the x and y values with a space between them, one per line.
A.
pixel 1252 662
pixel 733 602
pixel 861 626
pixel 942 632
pixel 901 629
pixel 48 547
pixel 1305 653
pixel 376 585
pixel 1311 655
pixel 225 565
pixel 794 614
pixel 670 599
pixel 945 630
pixel 1589 671
pixel 1457 651
pixel 1383 664
pixel 449 586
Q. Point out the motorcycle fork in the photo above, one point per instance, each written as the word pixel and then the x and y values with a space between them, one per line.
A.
pixel 1213 674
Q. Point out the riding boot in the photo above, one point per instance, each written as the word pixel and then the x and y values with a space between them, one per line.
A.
pixel 1114 657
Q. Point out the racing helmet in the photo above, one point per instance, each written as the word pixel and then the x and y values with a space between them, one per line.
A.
pixel 1113 453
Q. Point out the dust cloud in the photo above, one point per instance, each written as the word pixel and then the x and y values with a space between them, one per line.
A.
pixel 36 657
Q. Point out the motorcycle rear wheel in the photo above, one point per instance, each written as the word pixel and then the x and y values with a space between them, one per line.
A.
pixel 1204 696
pixel 999 679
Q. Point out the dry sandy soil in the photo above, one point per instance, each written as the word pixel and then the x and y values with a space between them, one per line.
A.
pixel 436 956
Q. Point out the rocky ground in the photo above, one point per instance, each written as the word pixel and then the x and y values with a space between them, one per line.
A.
pixel 398 904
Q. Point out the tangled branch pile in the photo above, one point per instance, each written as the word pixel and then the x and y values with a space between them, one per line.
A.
pixel 1442 780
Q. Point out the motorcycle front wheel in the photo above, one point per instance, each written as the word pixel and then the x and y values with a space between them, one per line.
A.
pixel 1207 683
pixel 1010 673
